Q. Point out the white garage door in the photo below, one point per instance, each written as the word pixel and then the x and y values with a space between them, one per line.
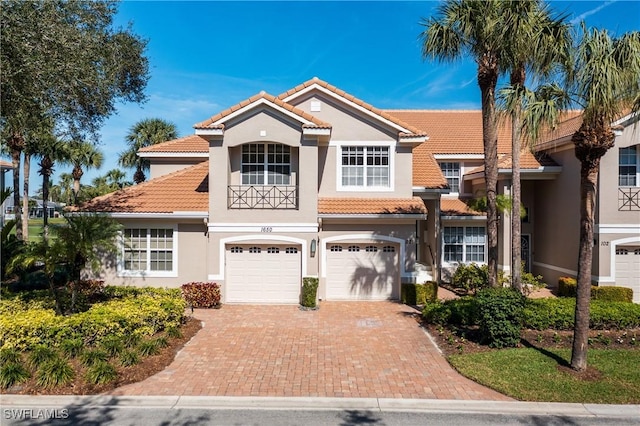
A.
pixel 628 269
pixel 262 274
pixel 362 271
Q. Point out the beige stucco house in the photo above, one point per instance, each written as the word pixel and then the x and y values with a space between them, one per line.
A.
pixel 315 182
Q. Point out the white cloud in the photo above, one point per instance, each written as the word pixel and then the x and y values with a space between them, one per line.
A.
pixel 584 15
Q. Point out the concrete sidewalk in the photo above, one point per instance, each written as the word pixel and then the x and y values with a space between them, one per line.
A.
pixel 339 404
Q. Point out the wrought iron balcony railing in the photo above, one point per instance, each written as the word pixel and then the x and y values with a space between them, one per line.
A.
pixel 262 197
pixel 628 199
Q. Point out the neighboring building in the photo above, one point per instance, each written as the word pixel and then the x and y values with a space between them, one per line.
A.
pixel 316 182
pixel 37 209
pixel 7 205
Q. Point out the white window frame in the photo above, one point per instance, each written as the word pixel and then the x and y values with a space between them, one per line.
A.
pixel 637 174
pixel 448 177
pixel 266 164
pixel 465 244
pixel 122 272
pixel 391 146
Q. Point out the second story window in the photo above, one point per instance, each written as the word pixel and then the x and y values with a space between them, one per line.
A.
pixel 266 164
pixel 366 166
pixel 451 172
pixel 628 166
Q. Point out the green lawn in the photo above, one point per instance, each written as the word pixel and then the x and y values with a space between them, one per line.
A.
pixel 35 227
pixel 532 374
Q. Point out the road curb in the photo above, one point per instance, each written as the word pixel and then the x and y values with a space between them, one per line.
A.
pixel 303 403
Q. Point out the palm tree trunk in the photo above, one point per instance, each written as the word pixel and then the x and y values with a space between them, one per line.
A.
pixel 518 79
pixel 77 175
pixel 487 80
pixel 46 172
pixel 588 181
pixel 15 160
pixel 25 196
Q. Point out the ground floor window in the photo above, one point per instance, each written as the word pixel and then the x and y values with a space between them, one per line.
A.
pixel 464 244
pixel 148 250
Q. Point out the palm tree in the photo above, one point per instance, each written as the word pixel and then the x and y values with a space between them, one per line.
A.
pixel 147 132
pixel 605 81
pixel 476 29
pixel 537 42
pixel 82 155
pixel 50 150
pixel 115 179
pixel 64 190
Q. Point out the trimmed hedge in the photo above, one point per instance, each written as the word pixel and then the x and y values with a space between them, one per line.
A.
pixel 201 295
pixel 540 314
pixel 25 324
pixel 309 292
pixel 567 287
pixel 500 312
pixel 419 294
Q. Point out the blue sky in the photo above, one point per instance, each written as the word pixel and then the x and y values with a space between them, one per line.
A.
pixel 207 56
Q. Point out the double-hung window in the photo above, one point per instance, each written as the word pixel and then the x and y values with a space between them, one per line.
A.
pixel 464 244
pixel 266 164
pixel 365 167
pixel 148 251
pixel 628 167
pixel 451 172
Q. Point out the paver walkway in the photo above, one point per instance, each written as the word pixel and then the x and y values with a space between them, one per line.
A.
pixel 345 349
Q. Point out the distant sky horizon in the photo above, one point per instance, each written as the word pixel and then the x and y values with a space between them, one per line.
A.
pixel 206 56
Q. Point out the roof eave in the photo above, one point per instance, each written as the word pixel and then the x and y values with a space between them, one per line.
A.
pixel 373 216
pixel 147 215
pixel 203 131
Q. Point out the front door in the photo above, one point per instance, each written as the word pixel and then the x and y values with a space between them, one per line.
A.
pixel 525 252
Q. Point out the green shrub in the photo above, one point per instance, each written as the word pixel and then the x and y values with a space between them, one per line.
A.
pixel 461 312
pixel 567 287
pixel 93 357
pixel 174 332
pixel 112 345
pixel 309 292
pixel 500 312
pixel 12 373
pixel 72 347
pixel 132 340
pixel 149 347
pixel 419 294
pixel 8 355
pixel 473 277
pixel 54 373
pixel 129 358
pixel 558 314
pixel 201 295
pixel 41 354
pixel 101 373
pixel 162 342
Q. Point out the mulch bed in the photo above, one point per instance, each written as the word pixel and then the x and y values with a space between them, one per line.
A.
pixel 147 367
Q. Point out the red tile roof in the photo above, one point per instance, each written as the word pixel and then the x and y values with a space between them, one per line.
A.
pixel 208 124
pixel 414 131
pixel 426 171
pixel 414 205
pixel 6 164
pixel 184 190
pixel 456 207
pixel 192 143
pixel 528 161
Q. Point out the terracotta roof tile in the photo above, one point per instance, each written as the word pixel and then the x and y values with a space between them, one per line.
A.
pixel 456 207
pixel 184 190
pixel 426 171
pixel 356 206
pixel 528 161
pixel 191 143
pixel 208 124
pixel 414 131
pixel 566 127
pixel 6 164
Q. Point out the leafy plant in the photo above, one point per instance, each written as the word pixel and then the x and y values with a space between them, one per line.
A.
pixel 72 347
pixel 201 295
pixel 500 312
pixel 129 358
pixel 149 347
pixel 101 372
pixel 8 355
pixel 93 357
pixel 131 340
pixel 162 342
pixel 473 277
pixel 309 292
pixel 112 345
pixel 12 373
pixel 54 373
pixel 41 354
pixel 174 332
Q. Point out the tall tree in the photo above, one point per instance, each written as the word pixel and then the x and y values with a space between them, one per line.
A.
pixel 51 150
pixel 144 133
pixel 537 42
pixel 66 62
pixel 477 29
pixel 605 81
pixel 82 155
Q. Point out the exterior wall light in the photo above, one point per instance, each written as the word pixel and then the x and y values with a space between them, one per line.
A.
pixel 313 248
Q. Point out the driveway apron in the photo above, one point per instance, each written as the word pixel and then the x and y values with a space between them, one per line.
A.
pixel 345 349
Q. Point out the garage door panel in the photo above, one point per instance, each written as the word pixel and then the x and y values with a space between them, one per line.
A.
pixel 628 269
pixel 262 274
pixel 362 272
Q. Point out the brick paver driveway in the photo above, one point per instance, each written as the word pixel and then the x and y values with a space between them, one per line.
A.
pixel 345 349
